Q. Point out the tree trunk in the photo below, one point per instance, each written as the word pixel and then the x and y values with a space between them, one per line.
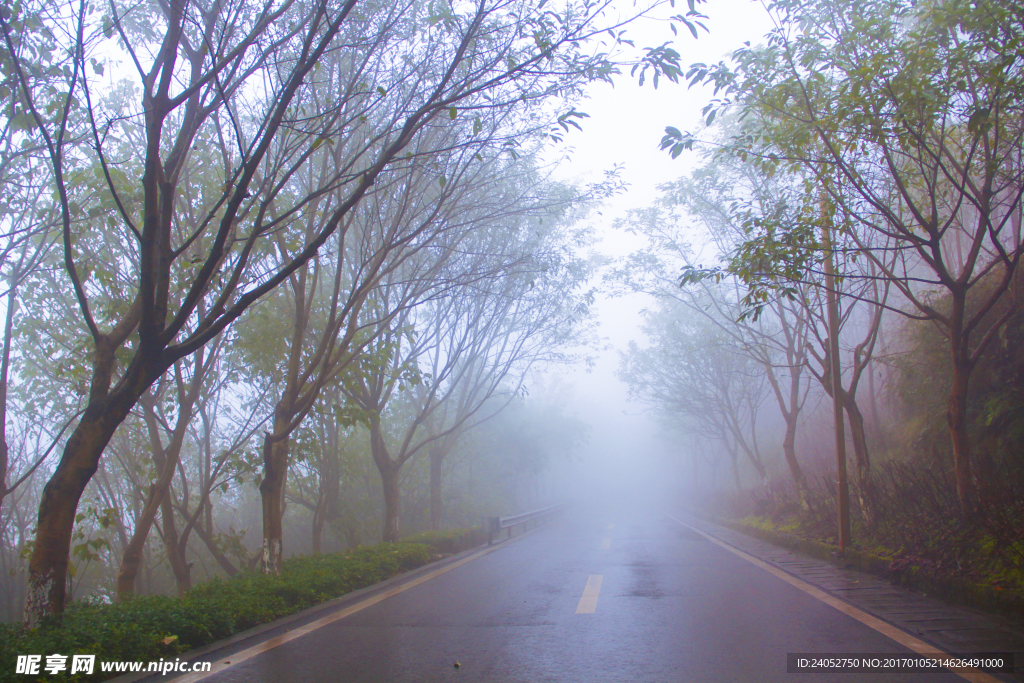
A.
pixel 388 470
pixel 48 566
pixel 832 316
pixel 735 470
pixel 327 502
pixel 389 479
pixel 5 361
pixel 956 418
pixel 131 560
pixel 166 461
pixel 876 421
pixel 860 451
pixel 353 539
pixel 217 553
pixel 436 512
pixel 175 551
pixel 318 529
pixel 789 451
pixel 275 472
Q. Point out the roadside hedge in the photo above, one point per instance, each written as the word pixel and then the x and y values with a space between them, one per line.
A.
pixel 450 541
pixel 151 627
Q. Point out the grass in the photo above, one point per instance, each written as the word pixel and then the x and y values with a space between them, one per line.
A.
pixel 450 541
pixel 150 628
pixel 916 534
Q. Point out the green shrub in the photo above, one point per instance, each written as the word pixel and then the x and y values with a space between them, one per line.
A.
pixel 451 540
pixel 137 629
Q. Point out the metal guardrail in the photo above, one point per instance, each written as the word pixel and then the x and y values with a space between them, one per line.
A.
pixel 494 525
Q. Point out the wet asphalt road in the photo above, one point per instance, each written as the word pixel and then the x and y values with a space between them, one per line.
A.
pixel 672 606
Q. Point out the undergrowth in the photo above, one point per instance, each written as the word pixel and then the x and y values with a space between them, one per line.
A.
pixel 154 627
pixel 449 541
pixel 911 515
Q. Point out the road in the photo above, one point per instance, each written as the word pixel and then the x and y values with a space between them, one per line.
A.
pixel 594 596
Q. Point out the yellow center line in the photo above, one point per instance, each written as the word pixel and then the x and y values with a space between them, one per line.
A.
pixel 606 544
pixel 260 648
pixel 902 637
pixel 588 603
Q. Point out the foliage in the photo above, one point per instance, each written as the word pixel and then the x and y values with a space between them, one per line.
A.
pixel 451 540
pixel 139 628
pixel 903 125
pixel 919 523
pixel 240 142
pixel 903 122
pixel 995 398
pixel 704 375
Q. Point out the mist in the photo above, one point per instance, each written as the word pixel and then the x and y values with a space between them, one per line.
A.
pixel 469 300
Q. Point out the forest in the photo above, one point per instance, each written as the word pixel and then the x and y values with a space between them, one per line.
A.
pixel 283 279
pixel 837 335
pixel 276 279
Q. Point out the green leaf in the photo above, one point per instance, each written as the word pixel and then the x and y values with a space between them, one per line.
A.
pixel 23 121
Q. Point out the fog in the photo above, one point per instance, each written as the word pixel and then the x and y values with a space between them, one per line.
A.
pixel 630 456
pixel 431 274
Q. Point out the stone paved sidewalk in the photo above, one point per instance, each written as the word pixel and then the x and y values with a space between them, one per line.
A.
pixel 953 629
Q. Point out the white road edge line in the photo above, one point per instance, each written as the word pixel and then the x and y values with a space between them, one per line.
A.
pixel 251 652
pixel 900 636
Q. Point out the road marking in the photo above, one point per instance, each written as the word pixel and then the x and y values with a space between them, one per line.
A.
pixel 606 544
pixel 902 637
pixel 251 652
pixel 588 603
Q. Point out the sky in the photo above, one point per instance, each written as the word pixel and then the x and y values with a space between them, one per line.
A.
pixel 625 126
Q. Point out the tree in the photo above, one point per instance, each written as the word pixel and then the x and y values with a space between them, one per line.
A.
pixel 318 446
pixel 719 198
pixel 493 337
pixel 504 300
pixel 244 80
pixel 733 196
pixel 25 238
pixel 166 458
pixel 696 377
pixel 908 119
